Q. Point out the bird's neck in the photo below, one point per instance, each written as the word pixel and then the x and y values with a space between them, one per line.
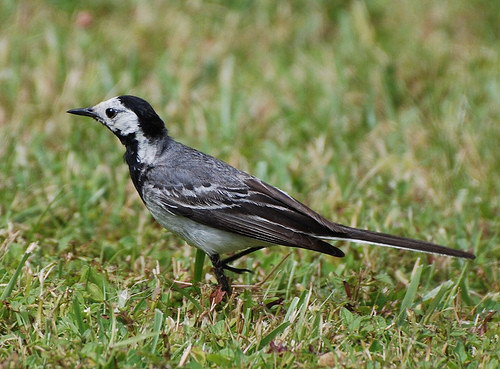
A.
pixel 142 150
pixel 140 154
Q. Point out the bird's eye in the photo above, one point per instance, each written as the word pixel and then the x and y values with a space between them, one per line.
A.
pixel 111 113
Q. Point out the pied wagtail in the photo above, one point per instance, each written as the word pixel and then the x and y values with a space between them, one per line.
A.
pixel 216 207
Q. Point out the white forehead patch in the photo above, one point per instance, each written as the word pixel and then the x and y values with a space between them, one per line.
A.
pixel 124 123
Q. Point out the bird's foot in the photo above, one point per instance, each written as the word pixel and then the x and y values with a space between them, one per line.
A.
pixel 235 270
pixel 224 263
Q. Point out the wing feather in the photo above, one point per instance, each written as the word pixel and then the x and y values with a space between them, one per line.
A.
pixel 246 211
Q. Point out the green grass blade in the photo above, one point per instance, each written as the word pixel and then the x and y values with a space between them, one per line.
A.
pixel 133 340
pixel 158 320
pixel 411 292
pixel 267 339
pixel 437 300
pixel 198 266
pixel 10 286
pixel 291 309
pixel 187 294
pixel 78 315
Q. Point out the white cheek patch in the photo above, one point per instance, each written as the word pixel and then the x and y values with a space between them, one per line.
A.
pixel 125 124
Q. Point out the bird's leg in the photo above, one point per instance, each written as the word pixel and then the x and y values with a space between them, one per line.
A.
pixel 237 256
pixel 219 274
pixel 220 265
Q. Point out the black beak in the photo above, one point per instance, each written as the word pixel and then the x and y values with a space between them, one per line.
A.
pixel 88 112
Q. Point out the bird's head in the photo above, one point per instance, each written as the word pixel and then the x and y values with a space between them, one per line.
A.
pixel 130 118
pixel 133 121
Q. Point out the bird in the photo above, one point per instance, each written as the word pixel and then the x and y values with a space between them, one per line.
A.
pixel 217 208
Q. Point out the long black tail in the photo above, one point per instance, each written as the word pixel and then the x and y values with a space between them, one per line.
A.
pixel 388 240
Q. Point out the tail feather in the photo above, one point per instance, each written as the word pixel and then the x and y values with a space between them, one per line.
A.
pixel 383 239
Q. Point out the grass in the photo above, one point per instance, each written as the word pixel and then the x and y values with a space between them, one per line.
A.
pixel 377 114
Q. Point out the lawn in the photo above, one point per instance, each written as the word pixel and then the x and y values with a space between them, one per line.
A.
pixel 377 114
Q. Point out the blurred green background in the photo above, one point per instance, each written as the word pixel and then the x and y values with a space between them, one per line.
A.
pixel 377 114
